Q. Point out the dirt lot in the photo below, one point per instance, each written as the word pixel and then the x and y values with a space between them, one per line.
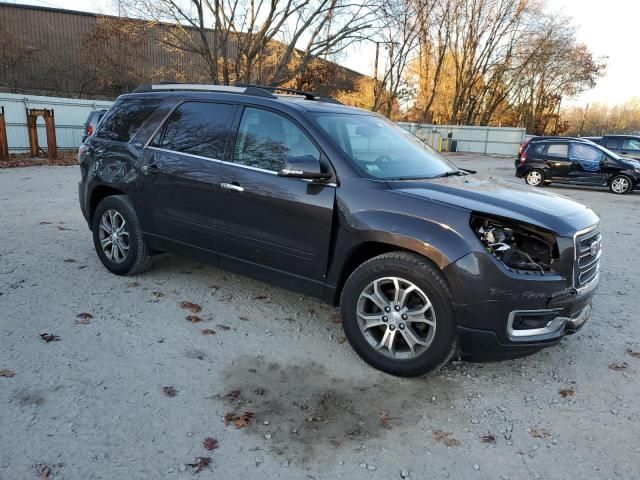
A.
pixel 93 404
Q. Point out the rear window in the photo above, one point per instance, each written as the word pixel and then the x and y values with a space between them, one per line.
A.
pixel 125 118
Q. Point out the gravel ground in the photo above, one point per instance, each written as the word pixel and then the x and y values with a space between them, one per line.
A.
pixel 94 404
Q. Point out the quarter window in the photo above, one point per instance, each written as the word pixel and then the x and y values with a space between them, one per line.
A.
pixel 630 144
pixel 124 120
pixel 197 128
pixel 611 143
pixel 265 139
pixel 559 150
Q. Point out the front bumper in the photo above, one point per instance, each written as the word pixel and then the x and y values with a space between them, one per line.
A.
pixel 506 314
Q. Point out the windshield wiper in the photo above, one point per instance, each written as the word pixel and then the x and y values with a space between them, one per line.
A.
pixel 455 173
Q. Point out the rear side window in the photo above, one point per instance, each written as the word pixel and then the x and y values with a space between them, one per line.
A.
pixel 559 150
pixel 197 128
pixel 611 143
pixel 126 117
pixel 266 138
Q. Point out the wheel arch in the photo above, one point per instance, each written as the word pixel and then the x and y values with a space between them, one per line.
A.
pixel 99 193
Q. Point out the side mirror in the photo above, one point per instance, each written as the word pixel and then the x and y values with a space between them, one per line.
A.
pixel 303 166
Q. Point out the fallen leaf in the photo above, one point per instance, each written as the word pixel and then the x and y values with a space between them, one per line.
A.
pixel 45 471
pixel 335 318
pixel 210 443
pixel 156 294
pixel 232 395
pixel 633 354
pixel 69 260
pixel 445 437
pixel 170 391
pixel 223 327
pixel 261 297
pixel 47 337
pixel 81 267
pixel 7 373
pixel 259 391
pixel 452 442
pixel 539 433
pixel 566 392
pixel 59 227
pixel 618 365
pixel 244 319
pixel 208 331
pixel 241 420
pixel 133 284
pixel 384 419
pixel 200 464
pixel 45 223
pixel 194 318
pixel 192 307
pixel 489 438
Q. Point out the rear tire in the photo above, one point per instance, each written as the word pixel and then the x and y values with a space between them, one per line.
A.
pixel 410 327
pixel 621 185
pixel 117 237
pixel 535 178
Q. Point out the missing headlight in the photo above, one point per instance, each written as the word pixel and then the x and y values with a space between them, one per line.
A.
pixel 518 246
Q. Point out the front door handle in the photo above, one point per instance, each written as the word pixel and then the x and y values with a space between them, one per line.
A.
pixel 232 186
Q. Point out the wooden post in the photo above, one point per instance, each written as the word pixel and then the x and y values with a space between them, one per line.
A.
pixel 4 139
pixel 50 126
pixel 32 120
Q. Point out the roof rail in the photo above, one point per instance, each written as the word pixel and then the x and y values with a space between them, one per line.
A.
pixel 186 87
pixel 255 90
pixel 306 95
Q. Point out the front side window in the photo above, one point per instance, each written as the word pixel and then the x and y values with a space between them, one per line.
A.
pixel 611 143
pixel 125 118
pixel 586 156
pixel 266 138
pixel 197 128
pixel 382 149
pixel 558 150
pixel 631 144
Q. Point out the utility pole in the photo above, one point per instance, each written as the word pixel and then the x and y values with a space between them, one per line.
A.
pixel 375 77
pixel 586 109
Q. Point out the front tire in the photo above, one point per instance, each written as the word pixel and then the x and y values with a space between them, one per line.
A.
pixel 117 237
pixel 535 178
pixel 620 185
pixel 397 314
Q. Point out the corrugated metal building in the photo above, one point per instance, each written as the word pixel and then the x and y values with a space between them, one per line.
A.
pixel 41 53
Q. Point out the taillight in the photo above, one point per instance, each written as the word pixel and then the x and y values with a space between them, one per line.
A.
pixel 81 151
pixel 89 130
pixel 523 147
pixel 523 158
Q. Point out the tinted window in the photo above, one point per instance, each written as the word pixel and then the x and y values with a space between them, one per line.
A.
pixel 537 148
pixel 559 150
pixel 586 156
pixel 266 138
pixel 630 144
pixel 125 119
pixel 611 143
pixel 198 128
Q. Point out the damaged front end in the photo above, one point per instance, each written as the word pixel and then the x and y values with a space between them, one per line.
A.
pixel 520 247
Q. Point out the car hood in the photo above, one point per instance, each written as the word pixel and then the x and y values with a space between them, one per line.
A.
pixel 503 198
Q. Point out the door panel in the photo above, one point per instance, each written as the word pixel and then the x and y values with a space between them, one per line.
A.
pixel 557 160
pixel 177 191
pixel 277 222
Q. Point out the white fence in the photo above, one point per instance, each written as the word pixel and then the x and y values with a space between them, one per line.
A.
pixel 485 140
pixel 70 115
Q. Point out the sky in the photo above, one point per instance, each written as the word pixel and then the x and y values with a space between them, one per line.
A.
pixel 608 28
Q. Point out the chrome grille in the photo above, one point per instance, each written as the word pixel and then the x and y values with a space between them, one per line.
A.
pixel 588 251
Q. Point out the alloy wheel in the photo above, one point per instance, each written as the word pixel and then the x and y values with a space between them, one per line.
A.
pixel 396 318
pixel 114 236
pixel 620 185
pixel 534 178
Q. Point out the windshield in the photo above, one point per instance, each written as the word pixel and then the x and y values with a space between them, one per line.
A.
pixel 382 149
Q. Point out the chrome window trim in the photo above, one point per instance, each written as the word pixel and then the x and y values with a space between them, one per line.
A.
pixel 224 162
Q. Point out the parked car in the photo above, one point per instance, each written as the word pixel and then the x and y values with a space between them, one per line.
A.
pixel 576 161
pixel 624 145
pixel 526 143
pixel 92 122
pixel 423 258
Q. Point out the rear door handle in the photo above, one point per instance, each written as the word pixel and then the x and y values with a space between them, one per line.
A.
pixel 150 169
pixel 232 186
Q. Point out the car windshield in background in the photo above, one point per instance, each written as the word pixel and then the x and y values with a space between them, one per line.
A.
pixel 383 149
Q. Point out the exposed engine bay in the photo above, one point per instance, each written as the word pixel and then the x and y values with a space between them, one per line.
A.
pixel 518 247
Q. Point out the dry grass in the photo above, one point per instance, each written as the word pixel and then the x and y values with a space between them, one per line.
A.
pixel 65 158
